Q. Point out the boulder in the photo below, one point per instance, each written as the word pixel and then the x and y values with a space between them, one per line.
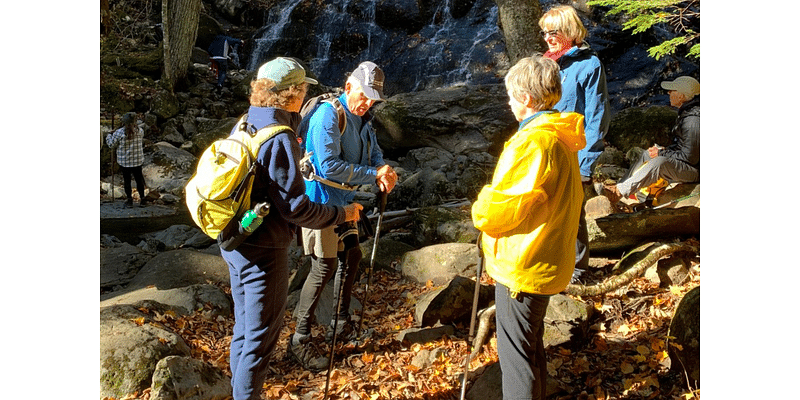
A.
pixel 566 321
pixel 130 347
pixel 179 268
pixel 388 252
pixel 684 349
pixel 440 263
pixel 186 378
pixel 178 236
pixel 167 168
pixel 452 303
pixel 458 119
pixel 488 384
pixel 120 262
pixel 184 300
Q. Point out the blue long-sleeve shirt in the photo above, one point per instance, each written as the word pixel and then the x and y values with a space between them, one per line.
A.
pixel 352 157
pixel 584 91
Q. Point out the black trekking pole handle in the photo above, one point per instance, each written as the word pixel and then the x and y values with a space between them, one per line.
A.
pixel 381 208
pixel 471 338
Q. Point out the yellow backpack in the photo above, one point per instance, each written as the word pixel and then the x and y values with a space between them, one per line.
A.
pixel 224 177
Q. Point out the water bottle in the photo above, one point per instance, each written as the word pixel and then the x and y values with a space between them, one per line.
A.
pixel 253 218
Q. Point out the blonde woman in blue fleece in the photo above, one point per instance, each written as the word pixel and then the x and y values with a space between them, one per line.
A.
pixel 529 218
pixel 583 90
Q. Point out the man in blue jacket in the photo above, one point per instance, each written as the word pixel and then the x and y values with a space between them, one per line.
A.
pixel 220 50
pixel 343 161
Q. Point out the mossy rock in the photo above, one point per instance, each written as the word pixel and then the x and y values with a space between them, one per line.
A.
pixel 641 127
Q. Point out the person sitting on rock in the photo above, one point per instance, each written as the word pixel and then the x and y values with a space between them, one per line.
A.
pixel 678 162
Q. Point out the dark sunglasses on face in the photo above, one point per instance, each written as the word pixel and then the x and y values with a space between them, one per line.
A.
pixel 554 32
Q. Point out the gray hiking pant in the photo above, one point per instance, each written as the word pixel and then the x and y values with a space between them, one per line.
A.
pixel 520 344
pixel 647 170
pixel 345 266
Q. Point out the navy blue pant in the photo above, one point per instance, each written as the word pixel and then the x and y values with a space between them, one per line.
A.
pixel 222 71
pixel 259 286
pixel 520 348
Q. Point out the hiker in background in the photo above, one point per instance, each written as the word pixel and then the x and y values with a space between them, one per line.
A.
pixel 130 156
pixel 220 50
pixel 259 266
pixel 529 218
pixel 583 90
pixel 680 160
pixel 345 160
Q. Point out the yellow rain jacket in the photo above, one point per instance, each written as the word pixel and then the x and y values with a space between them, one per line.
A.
pixel 529 213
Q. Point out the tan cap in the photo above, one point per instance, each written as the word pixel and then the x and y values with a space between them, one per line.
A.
pixel 687 85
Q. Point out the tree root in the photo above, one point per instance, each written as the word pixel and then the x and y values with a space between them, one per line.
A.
pixel 486 316
pixel 637 269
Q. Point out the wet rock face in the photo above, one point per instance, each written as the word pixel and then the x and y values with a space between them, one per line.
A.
pixel 419 44
pixel 423 45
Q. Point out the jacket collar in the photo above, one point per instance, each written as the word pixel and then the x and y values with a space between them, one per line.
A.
pixel 265 116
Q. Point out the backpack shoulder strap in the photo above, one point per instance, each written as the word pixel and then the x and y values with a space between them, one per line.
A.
pixel 341 115
pixel 253 138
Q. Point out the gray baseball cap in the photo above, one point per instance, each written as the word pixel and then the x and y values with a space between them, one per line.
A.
pixel 371 78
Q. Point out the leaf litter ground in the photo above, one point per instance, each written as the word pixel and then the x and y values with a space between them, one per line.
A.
pixel 625 357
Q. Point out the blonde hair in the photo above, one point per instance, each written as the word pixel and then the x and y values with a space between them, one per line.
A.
pixel 565 20
pixel 538 77
pixel 262 95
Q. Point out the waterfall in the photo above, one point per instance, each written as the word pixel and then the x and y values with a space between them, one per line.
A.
pixel 455 71
pixel 336 35
pixel 484 34
pixel 334 15
pixel 276 21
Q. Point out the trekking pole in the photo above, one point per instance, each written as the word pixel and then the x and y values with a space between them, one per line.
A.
pixel 471 337
pixel 382 202
pixel 333 339
pixel 113 161
pixel 382 207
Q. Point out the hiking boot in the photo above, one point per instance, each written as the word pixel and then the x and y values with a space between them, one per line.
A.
pixel 129 203
pixel 612 193
pixel 347 331
pixel 306 353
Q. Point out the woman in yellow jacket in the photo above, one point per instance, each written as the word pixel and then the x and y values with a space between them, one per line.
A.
pixel 529 219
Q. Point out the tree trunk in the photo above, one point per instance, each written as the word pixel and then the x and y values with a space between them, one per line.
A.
pixel 105 18
pixel 180 19
pixel 519 20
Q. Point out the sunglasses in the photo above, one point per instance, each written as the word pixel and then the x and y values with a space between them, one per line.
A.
pixel 554 32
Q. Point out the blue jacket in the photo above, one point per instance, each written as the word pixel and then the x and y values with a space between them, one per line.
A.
pixel 221 46
pixel 584 91
pixel 279 181
pixel 352 157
